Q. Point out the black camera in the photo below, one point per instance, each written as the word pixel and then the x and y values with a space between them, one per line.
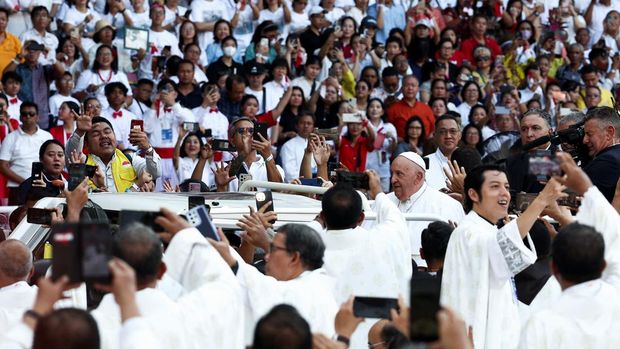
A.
pixel 572 136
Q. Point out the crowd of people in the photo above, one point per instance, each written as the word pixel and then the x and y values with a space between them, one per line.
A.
pixel 440 104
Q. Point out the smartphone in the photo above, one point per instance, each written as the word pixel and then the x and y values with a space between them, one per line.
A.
pixel 75 32
pixel 501 110
pixel 161 62
pixel 423 324
pixel 572 200
pixel 260 129
pixel 66 258
pixel 91 170
pixel 374 307
pixel 195 201
pixel 264 42
pixel 544 164
pixel 190 126
pixel 127 217
pixel 263 197
pixel 351 117
pixel 96 250
pixel 357 180
pixel 137 124
pixel 221 145
pixel 199 218
pixel 194 188
pixel 40 216
pixel 77 173
pixel 243 177
pixel 236 165
pixel 315 182
pixel 37 170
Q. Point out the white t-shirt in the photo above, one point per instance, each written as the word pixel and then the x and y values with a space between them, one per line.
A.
pixel 21 150
pixel 75 17
pixel 49 40
pixel 270 100
pixel 157 42
pixel 299 22
pixel 57 100
pixel 210 11
pixel 101 78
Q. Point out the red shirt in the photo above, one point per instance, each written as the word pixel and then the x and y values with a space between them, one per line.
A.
pixel 57 133
pixel 399 113
pixel 348 153
pixel 266 118
pixel 468 46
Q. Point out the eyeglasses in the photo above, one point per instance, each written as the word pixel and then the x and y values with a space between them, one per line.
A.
pixel 451 132
pixel 30 114
pixel 371 345
pixel 92 106
pixel 483 58
pixel 243 130
pixel 273 248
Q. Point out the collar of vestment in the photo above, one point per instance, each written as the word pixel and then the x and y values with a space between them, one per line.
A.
pixel 406 205
pixel 584 288
pixel 18 284
pixel 482 219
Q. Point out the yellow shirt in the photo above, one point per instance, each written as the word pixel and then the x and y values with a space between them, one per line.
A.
pixel 9 49
pixel 606 99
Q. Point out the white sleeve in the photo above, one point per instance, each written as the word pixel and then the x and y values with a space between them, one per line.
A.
pixel 182 114
pixel 291 169
pixel 6 149
pixel 508 255
pixel 19 336
pixel 135 333
pixel 152 164
pixel 83 81
pixel 598 213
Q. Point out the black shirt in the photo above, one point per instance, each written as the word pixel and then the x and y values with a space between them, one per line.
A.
pixel 310 41
pixel 218 68
pixel 604 170
pixel 192 99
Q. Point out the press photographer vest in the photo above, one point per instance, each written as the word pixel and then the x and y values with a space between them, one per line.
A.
pixel 122 171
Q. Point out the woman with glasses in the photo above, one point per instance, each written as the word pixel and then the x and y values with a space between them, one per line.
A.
pixel 105 70
pixel 415 137
pixel 483 64
pixel 472 137
pixel 471 95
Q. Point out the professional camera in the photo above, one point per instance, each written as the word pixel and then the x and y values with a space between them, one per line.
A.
pixel 571 140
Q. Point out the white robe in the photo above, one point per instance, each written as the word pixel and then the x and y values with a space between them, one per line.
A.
pixel 478 279
pixel 311 293
pixel 15 299
pixel 431 201
pixel 585 315
pixel 374 263
pixel 435 176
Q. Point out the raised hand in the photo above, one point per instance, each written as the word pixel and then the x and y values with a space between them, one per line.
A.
pixel 222 177
pixel 456 177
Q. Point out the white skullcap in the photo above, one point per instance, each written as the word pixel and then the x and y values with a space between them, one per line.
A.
pixel 415 158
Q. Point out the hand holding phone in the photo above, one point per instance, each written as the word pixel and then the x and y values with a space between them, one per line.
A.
pixel 544 164
pixel 374 307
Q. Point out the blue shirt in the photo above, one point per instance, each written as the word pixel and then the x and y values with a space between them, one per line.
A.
pixel 393 17
pixel 214 52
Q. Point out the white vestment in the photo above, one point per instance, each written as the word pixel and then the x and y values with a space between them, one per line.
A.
pixel 477 283
pixel 15 299
pixel 311 293
pixel 435 176
pixel 374 263
pixel 430 201
pixel 586 315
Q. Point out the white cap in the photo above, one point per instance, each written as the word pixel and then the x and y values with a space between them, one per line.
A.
pixel 316 10
pixel 425 22
pixel 415 158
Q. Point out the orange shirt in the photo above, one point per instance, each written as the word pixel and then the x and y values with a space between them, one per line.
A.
pixel 9 48
pixel 399 112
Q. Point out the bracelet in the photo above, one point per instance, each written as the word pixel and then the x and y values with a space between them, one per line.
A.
pixel 269 158
pixel 343 339
pixel 33 314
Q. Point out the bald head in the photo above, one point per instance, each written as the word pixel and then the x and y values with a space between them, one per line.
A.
pixel 16 262
pixel 374 334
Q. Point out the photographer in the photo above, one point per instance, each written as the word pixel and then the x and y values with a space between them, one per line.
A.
pixel 602 138
pixel 534 125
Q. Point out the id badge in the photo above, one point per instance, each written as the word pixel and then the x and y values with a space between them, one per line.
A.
pixel 166 135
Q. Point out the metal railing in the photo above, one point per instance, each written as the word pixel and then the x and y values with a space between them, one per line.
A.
pixel 297 188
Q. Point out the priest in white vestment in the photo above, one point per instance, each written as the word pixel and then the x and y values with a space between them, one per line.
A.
pixel 294 276
pixel 209 312
pixel 364 262
pixel 585 262
pixel 482 259
pixel 16 296
pixel 411 194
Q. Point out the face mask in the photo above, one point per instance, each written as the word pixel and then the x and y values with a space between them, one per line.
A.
pixel 230 51
pixel 526 34
pixel 272 42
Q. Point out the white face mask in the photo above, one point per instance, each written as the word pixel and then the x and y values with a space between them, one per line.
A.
pixel 526 34
pixel 229 51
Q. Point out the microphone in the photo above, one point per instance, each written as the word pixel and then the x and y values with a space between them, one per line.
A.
pixel 537 142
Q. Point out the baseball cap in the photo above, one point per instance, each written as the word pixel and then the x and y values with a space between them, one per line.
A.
pixel 368 22
pixel 316 10
pixel 34 46
pixel 254 69
pixel 415 158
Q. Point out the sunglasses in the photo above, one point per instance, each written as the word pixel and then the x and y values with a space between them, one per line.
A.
pixel 243 130
pixel 483 58
pixel 30 114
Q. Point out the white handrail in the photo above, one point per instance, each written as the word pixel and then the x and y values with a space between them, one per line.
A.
pixel 307 189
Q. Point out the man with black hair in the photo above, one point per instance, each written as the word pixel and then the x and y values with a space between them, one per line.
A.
pixel 142 98
pixel 21 148
pixel 373 262
pixel 41 19
pixel 188 92
pixel 447 137
pixel 590 76
pixel 282 328
pixel 294 265
pixel 584 260
pixel 162 123
pixel 117 115
pixel 434 244
pixel 602 137
pixel 481 260
pixel 389 91
pixel 230 101
pixel 117 172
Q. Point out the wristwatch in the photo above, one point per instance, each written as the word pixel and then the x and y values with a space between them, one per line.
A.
pixel 343 339
pixel 150 150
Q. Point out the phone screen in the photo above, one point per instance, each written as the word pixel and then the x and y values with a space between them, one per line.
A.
pixel 137 124
pixel 425 299
pixel 66 258
pixel 96 251
pixel 194 188
pixel 39 216
pixel 315 182
pixel 221 145
pixel 77 173
pixel 374 308
pixel 544 164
